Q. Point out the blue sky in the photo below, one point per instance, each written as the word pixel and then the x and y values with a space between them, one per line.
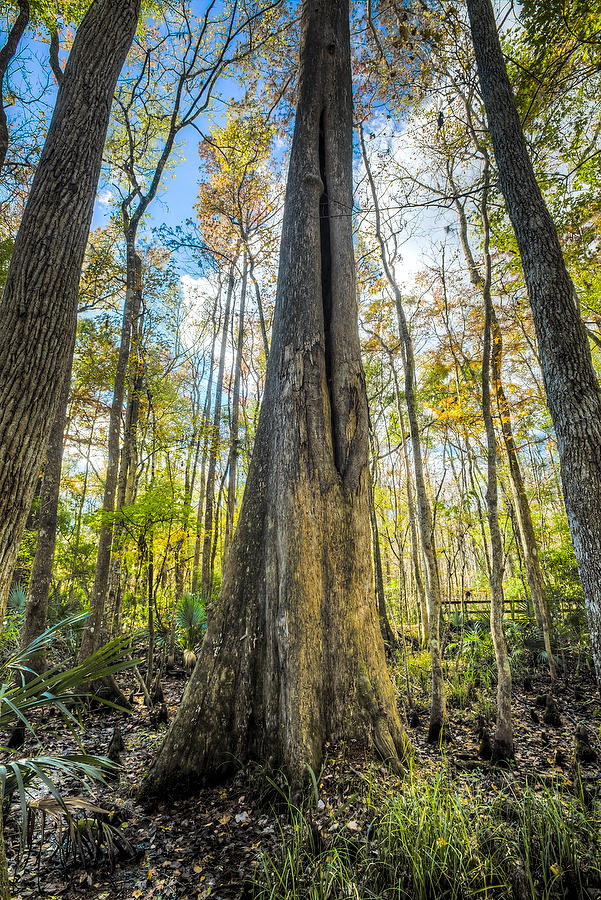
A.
pixel 31 80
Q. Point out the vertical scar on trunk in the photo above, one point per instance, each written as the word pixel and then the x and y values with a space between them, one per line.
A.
pixel 326 280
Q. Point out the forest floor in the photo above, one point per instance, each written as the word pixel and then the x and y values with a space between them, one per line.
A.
pixel 212 844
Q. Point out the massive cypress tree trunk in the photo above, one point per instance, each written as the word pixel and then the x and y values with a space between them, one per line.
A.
pixel 39 304
pixel 293 654
pixel 570 381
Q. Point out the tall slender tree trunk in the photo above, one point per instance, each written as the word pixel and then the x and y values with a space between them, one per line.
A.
pixel 475 489
pixel 200 511
pixel 181 548
pixel 387 633
pixel 126 477
pixel 235 423
pixel 80 508
pixel 503 742
pixel 204 453
pixel 293 655
pixel 41 574
pixel 425 523
pixel 206 579
pixel 564 353
pixel 251 272
pixel 526 534
pixel 417 574
pixel 424 510
pixel 38 310
pixel 133 295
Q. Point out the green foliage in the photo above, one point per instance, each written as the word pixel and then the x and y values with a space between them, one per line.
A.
pixel 564 589
pixel 13 620
pixel 58 688
pixel 17 598
pixel 561 24
pixel 6 249
pixel 518 604
pixel 191 619
pixel 50 13
pixel 434 838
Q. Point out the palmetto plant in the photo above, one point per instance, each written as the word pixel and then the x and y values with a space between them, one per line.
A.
pixel 17 597
pixel 20 696
pixel 191 619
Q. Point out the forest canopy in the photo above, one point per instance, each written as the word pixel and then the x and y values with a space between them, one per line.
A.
pixel 300 339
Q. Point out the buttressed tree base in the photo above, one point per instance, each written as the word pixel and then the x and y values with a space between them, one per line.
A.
pixel 293 655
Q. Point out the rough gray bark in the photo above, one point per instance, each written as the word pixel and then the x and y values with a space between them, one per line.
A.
pixel 503 741
pixel 41 574
pixel 293 654
pixel 564 353
pixel 39 305
pixel 424 510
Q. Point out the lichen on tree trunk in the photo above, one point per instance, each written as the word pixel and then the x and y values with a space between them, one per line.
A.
pixel 293 654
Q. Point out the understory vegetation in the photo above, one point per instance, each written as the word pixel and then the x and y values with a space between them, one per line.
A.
pixel 300 450
pixel 450 826
pixel 433 836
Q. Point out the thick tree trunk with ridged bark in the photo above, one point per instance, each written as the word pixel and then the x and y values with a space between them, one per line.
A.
pixel 39 305
pixel 41 573
pixel 564 353
pixel 293 655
